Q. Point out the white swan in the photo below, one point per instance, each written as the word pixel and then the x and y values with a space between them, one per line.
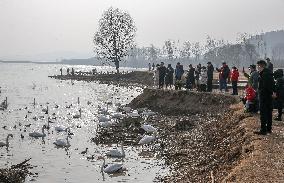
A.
pixel 103 118
pixel 147 139
pixel 111 168
pixel 7 141
pixel 134 114
pixel 76 116
pixel 148 113
pixel 117 115
pixel 116 153
pixel 149 128
pixel 60 128
pixel 38 134
pixel 63 142
pixel 126 109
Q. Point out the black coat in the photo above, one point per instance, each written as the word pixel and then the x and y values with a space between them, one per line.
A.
pixel 266 86
pixel 210 70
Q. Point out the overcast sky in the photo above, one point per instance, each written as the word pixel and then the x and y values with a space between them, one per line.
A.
pixel 56 29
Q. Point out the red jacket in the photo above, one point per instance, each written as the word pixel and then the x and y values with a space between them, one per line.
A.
pixel 250 94
pixel 235 75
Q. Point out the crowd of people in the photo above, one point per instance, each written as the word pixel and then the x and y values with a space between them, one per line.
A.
pixel 199 78
pixel 263 91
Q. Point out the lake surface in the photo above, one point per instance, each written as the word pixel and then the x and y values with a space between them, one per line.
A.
pixel 21 83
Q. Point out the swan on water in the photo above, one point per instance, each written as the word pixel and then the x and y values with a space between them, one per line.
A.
pixel 76 116
pixel 7 141
pixel 111 168
pixel 45 110
pixel 38 134
pixel 148 128
pixel 85 151
pixel 103 118
pixel 63 142
pixel 61 128
pixel 116 153
pixel 147 139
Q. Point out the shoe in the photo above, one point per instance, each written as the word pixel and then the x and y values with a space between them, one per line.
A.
pixel 260 133
pixel 277 119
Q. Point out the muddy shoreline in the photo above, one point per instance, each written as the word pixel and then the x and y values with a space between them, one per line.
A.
pixel 201 139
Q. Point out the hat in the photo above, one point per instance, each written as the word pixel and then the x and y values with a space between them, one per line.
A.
pixel 267 59
pixel 223 62
pixel 252 66
pixel 208 62
pixel 261 62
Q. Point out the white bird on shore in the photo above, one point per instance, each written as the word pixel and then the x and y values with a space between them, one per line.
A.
pixel 38 134
pixel 7 141
pixel 116 153
pixel 134 114
pixel 126 109
pixel 148 113
pixel 103 118
pixel 149 128
pixel 63 142
pixel 117 115
pixel 147 139
pixel 111 168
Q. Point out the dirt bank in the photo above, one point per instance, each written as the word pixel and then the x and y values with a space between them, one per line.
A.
pixel 207 137
pixel 139 78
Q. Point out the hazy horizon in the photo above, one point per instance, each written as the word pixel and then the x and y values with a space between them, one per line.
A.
pixel 51 30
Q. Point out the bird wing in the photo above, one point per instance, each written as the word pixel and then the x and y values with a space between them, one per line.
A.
pixel 2 144
pixel 112 168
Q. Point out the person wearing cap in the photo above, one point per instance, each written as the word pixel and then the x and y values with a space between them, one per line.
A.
pixel 210 71
pixel 224 73
pixel 265 91
pixel 235 79
pixel 269 65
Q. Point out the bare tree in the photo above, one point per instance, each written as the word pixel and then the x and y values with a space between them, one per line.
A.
pixel 115 36
pixel 186 50
pixel 196 50
pixel 169 49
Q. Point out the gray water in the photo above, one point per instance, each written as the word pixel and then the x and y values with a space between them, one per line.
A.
pixel 21 83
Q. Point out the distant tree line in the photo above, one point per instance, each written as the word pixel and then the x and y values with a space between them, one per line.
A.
pixel 114 43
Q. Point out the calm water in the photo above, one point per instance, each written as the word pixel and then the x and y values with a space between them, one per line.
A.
pixel 21 83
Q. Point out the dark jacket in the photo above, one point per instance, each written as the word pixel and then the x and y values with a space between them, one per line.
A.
pixel 179 71
pixel 210 70
pixel 266 85
pixel 279 85
pixel 224 72
pixel 190 74
pixel 270 66
pixel 162 71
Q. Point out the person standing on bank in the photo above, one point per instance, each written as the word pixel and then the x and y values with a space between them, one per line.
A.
pixel 169 80
pixel 179 71
pixel 269 64
pixel 265 91
pixel 149 66
pixel 61 71
pixel 234 79
pixel 210 71
pixel 203 79
pixel 162 73
pixel 224 73
pixel 279 92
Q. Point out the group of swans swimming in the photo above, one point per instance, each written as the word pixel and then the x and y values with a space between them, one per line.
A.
pixel 104 121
